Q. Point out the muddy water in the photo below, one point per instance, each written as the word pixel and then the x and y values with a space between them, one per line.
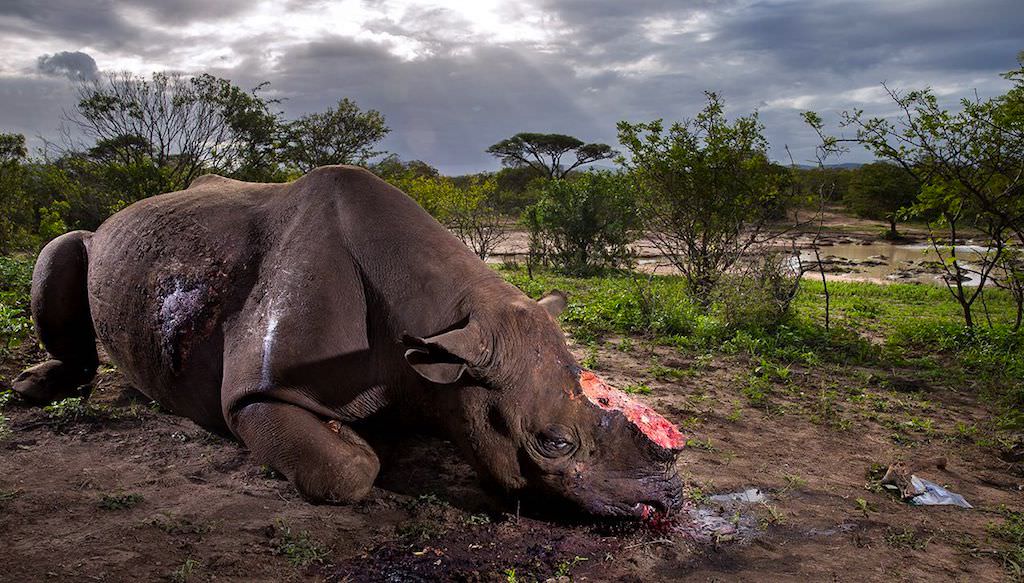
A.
pixel 888 262
pixel 846 260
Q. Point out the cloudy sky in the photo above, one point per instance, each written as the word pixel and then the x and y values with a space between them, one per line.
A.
pixel 454 77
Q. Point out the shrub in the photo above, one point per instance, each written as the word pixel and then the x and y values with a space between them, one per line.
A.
pixel 759 297
pixel 584 224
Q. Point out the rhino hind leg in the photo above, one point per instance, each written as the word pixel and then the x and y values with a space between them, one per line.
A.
pixel 60 309
pixel 326 462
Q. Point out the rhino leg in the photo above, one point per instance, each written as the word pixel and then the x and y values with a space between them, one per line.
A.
pixel 329 464
pixel 60 309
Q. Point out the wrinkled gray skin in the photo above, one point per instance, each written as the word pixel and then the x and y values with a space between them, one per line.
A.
pixel 268 310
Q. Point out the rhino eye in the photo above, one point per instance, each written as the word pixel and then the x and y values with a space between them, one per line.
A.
pixel 556 442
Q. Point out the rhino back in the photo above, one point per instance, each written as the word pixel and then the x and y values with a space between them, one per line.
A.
pixel 164 275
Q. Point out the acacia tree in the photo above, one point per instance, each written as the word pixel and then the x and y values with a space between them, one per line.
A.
pixel 341 135
pixel 707 190
pixel 172 127
pixel 880 191
pixel 544 153
pixel 969 163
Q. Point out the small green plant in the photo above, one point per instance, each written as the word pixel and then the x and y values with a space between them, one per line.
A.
pixel 906 538
pixel 122 501
pixel 920 425
pixel 177 525
pixel 704 444
pixel 510 576
pixel 772 516
pixel 186 570
pixel 1011 532
pixel 7 496
pixel 637 389
pixel 695 494
pixel 75 409
pixel 667 373
pixel 757 390
pixel 793 482
pixel 478 519
pixel 565 568
pixel 590 360
pixel 864 506
pixel 737 412
pixel 300 548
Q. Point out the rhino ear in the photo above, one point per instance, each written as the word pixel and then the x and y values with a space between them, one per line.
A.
pixel 554 302
pixel 445 357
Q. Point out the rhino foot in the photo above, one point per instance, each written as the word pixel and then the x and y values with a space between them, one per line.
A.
pixel 51 381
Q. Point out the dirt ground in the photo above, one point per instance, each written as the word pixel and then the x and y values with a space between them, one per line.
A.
pixel 125 492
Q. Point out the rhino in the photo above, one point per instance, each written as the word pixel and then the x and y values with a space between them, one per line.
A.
pixel 292 316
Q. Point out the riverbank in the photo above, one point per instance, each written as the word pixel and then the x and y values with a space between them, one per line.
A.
pixel 851 249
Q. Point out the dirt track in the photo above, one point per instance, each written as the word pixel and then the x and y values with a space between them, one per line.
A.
pixel 129 494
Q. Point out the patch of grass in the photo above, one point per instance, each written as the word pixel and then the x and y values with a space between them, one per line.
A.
pixel 477 519
pixel 76 409
pixel 906 538
pixel 564 568
pixel 667 373
pixel 1011 533
pixel 770 516
pixel 15 283
pixel 704 444
pixel 7 496
pixel 184 572
pixel 864 506
pixel 121 501
pixel 5 429
pixel 696 494
pixel 590 360
pixel 793 482
pixel 757 390
pixel 177 525
pixel 637 389
pixel 300 548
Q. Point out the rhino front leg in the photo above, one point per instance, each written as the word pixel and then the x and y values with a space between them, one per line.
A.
pixel 329 464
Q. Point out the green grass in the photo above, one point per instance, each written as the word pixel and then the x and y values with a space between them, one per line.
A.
pixel 5 430
pixel 76 409
pixel 897 326
pixel 1011 533
pixel 187 569
pixel 122 501
pixel 15 283
pixel 300 548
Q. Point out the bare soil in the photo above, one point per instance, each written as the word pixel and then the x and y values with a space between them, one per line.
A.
pixel 128 493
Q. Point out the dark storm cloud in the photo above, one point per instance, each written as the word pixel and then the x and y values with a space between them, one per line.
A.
pixel 73 65
pixel 606 61
pixel 444 109
pixel 109 24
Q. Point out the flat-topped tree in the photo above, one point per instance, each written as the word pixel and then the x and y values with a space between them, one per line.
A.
pixel 544 153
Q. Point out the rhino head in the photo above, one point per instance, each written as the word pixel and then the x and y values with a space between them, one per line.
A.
pixel 534 422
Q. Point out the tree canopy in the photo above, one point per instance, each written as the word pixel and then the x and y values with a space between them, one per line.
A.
pixel 343 134
pixel 707 189
pixel 544 153
pixel 880 191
